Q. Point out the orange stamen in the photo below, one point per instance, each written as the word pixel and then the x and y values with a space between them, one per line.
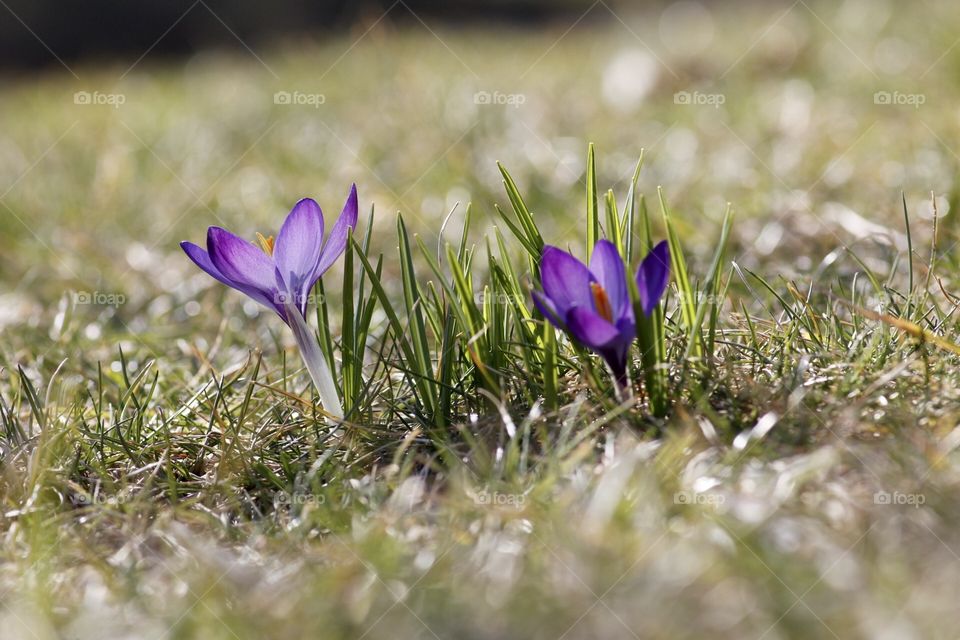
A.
pixel 266 243
pixel 601 301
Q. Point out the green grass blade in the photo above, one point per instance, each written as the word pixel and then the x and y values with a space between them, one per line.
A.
pixel 679 266
pixel 418 332
pixel 593 213
pixel 613 221
pixel 627 229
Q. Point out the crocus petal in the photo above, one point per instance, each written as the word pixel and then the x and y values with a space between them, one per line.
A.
pixel 297 249
pixel 653 276
pixel 590 329
pixel 201 258
pixel 607 267
pixel 566 280
pixel 245 267
pixel 627 328
pixel 611 342
pixel 548 309
pixel 337 242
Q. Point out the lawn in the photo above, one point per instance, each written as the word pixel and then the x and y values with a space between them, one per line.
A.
pixel 787 468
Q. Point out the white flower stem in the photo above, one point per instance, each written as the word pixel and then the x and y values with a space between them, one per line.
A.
pixel 316 362
pixel 623 391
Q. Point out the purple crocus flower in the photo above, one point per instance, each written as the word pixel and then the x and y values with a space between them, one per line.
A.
pixel 593 304
pixel 281 274
pixel 281 271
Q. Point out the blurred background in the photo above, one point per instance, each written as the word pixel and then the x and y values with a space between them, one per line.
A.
pixel 127 127
pixel 108 28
